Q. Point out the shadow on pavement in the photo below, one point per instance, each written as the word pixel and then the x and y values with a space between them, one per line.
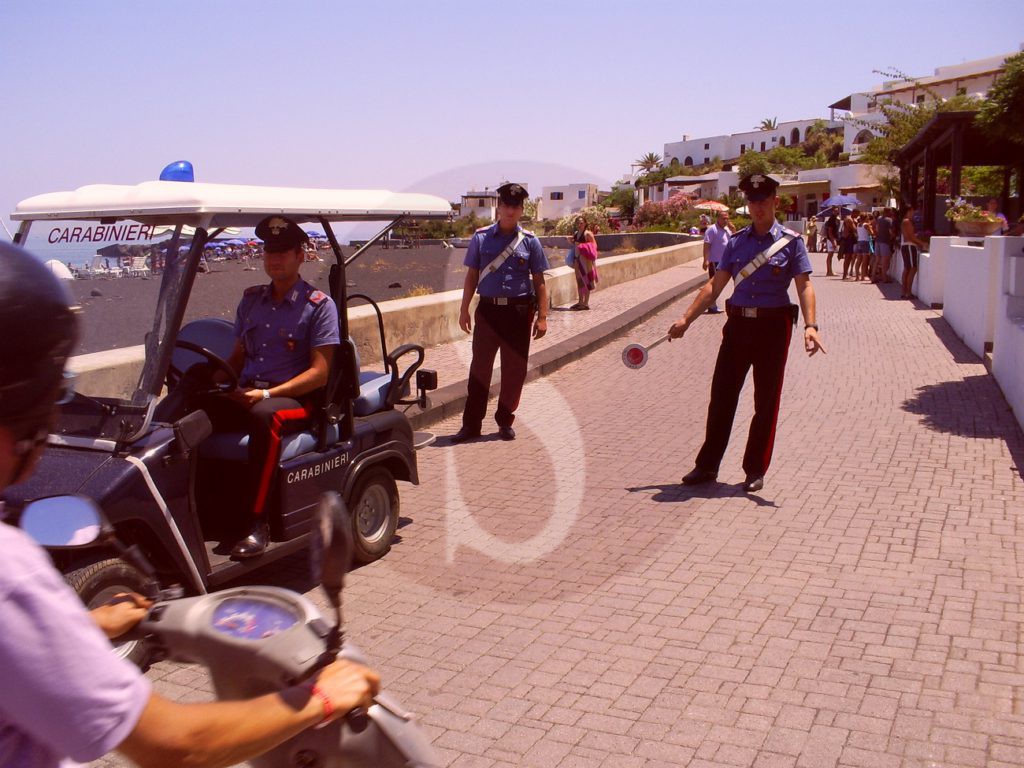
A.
pixel 944 332
pixel 445 441
pixel 675 492
pixel 972 408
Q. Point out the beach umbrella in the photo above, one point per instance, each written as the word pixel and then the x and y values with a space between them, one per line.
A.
pixel 742 210
pixel 840 211
pixel 59 269
pixel 711 205
pixel 837 201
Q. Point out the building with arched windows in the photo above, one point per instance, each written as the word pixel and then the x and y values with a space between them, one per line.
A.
pixel 691 152
pixel 861 111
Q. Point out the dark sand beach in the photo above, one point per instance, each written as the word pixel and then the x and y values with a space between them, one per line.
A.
pixel 123 313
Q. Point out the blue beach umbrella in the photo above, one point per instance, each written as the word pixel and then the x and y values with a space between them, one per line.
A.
pixel 842 201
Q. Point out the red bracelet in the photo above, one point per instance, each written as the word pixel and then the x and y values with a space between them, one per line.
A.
pixel 328 707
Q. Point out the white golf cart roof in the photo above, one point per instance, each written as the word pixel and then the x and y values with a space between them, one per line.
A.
pixel 227 205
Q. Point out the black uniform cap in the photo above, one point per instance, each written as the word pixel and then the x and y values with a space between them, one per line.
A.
pixel 511 193
pixel 758 186
pixel 280 233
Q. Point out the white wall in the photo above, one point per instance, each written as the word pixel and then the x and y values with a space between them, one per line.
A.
pixel 728 147
pixel 570 203
pixel 1008 348
pixel 471 204
pixel 971 288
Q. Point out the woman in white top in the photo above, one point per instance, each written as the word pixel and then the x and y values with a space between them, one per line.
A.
pixel 862 250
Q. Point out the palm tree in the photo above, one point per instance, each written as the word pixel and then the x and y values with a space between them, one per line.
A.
pixel 649 162
pixel 769 124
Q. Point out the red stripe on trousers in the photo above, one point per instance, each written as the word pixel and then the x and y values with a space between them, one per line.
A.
pixel 273 454
pixel 770 445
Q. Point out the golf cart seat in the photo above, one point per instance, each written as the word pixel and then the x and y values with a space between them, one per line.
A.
pixel 218 336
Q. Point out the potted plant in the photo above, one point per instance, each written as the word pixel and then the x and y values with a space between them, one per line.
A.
pixel 970 220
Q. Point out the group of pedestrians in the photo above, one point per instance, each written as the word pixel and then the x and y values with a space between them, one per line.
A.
pixel 865 242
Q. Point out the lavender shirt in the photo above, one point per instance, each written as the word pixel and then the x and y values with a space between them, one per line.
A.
pixel 64 692
pixel 717 238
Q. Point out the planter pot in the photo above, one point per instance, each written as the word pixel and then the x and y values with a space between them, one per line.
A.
pixel 977 228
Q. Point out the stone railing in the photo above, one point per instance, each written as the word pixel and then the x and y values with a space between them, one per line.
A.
pixel 427 320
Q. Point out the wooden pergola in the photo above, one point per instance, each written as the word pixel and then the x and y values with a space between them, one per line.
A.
pixel 952 140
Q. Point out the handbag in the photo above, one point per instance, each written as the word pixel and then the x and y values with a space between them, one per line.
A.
pixel 570 257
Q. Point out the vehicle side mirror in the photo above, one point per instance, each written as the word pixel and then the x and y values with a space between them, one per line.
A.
pixel 63 522
pixel 191 430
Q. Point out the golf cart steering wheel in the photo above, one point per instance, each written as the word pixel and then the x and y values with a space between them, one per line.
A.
pixel 174 375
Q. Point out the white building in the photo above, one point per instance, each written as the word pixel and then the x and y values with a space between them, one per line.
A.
pixel 556 202
pixel 807 189
pixel 699 151
pixel 710 186
pixel 973 78
pixel 483 205
pixel 812 187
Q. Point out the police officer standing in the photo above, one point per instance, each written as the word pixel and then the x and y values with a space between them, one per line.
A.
pixel 506 263
pixel 762 260
pixel 286 333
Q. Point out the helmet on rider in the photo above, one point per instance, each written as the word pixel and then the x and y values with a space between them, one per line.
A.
pixel 38 331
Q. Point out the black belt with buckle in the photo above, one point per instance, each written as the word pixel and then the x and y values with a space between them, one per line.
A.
pixel 507 301
pixel 758 313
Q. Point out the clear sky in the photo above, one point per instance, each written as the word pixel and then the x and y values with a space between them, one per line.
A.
pixel 434 96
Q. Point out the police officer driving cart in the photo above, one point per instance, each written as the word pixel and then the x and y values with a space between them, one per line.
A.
pixel 506 264
pixel 761 260
pixel 286 334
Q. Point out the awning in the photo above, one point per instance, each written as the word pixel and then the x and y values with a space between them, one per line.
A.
pixel 804 187
pixel 859 188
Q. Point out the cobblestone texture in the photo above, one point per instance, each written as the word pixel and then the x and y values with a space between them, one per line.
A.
pixel 561 600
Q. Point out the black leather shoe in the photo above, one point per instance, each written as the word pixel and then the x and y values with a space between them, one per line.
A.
pixel 698 476
pixel 753 484
pixel 252 545
pixel 464 435
pixel 506 433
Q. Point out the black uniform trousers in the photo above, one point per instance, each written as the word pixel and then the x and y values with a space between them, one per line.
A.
pixel 266 422
pixel 763 344
pixel 504 328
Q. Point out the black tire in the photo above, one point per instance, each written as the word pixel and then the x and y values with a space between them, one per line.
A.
pixel 100 581
pixel 375 508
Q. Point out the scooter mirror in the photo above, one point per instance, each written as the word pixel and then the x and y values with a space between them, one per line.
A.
pixel 62 521
pixel 332 545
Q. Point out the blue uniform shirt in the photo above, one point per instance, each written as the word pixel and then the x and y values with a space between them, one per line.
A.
pixel 278 338
pixel 513 276
pixel 769 285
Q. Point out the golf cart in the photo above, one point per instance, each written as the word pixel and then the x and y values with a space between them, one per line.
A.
pixel 152 462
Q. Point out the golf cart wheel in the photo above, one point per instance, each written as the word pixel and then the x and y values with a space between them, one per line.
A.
pixel 97 583
pixel 374 510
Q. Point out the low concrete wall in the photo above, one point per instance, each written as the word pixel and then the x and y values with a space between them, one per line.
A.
pixel 931 277
pixel 972 287
pixel 427 320
pixel 930 283
pixel 1008 346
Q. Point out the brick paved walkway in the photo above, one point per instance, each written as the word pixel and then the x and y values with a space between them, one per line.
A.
pixel 561 600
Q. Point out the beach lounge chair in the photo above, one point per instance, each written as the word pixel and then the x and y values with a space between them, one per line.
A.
pixel 138 267
pixel 99 268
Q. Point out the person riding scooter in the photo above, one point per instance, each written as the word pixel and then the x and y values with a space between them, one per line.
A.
pixel 65 693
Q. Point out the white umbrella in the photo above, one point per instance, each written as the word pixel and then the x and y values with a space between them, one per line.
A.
pixel 742 210
pixel 59 269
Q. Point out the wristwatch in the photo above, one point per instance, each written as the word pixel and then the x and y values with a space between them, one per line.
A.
pixel 266 394
pixel 811 325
